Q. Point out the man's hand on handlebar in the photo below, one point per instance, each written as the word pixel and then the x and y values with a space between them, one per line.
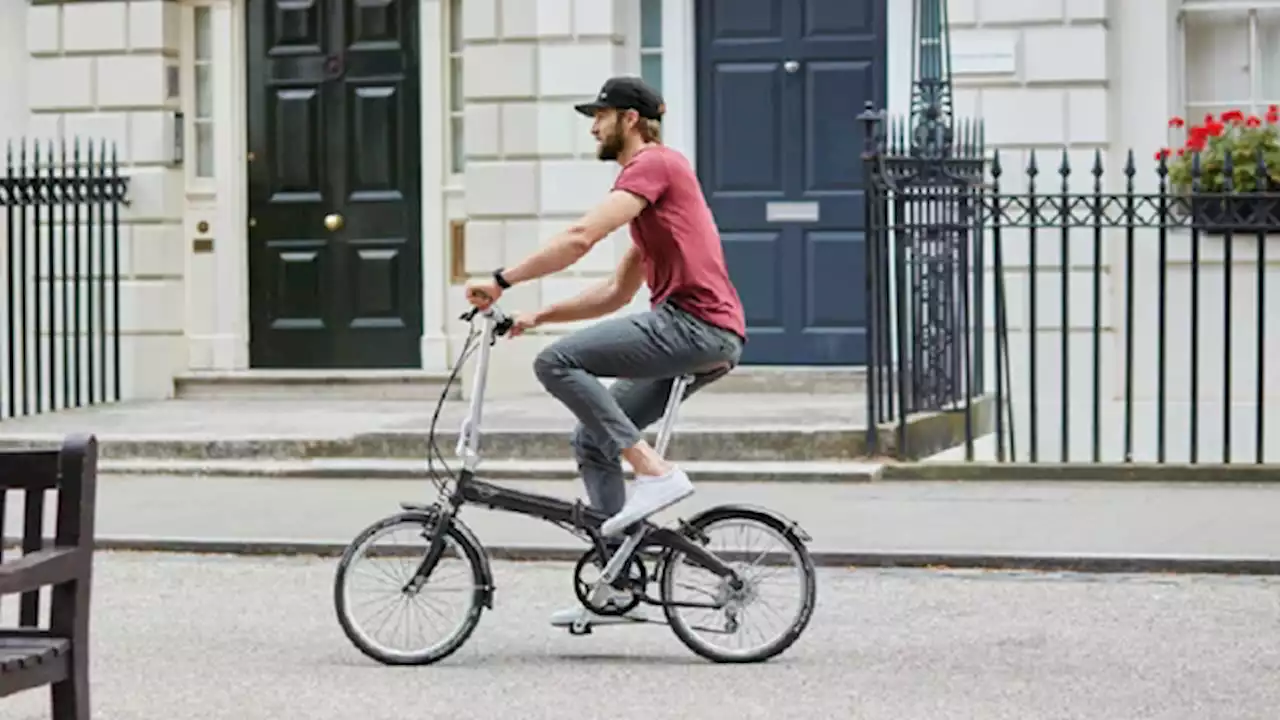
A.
pixel 483 293
pixel 522 321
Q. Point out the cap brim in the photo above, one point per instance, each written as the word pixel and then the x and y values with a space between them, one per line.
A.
pixel 590 109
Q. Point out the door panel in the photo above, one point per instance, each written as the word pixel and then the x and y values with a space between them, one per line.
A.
pixel 748 154
pixel 333 111
pixel 781 83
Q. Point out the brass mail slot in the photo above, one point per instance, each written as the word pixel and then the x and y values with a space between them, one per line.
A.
pixel 792 212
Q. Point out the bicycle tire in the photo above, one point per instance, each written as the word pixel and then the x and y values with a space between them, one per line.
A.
pixel 684 631
pixel 474 555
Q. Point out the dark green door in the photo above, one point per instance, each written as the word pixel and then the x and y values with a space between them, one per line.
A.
pixel 335 269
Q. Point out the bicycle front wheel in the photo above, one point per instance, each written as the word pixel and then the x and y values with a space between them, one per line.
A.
pixel 756 621
pixel 387 619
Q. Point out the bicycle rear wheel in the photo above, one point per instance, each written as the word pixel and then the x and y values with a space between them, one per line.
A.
pixel 789 561
pixel 366 570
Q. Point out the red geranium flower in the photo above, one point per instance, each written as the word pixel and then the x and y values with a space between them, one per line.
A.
pixel 1176 122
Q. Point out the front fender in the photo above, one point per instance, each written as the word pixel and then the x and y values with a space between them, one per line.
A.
pixel 431 513
pixel 780 522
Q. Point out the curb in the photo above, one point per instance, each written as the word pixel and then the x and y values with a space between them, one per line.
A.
pixel 852 472
pixel 1081 563
pixel 771 444
pixel 1088 472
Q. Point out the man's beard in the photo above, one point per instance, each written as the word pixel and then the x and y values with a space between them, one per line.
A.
pixel 610 147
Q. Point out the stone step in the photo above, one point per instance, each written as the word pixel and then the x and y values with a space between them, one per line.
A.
pixel 783 444
pixel 555 470
pixel 423 385
pixel 314 385
pixel 779 379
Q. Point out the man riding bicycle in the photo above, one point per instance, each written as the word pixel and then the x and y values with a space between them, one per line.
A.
pixel 695 326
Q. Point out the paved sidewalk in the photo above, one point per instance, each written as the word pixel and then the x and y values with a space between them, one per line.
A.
pixel 1003 518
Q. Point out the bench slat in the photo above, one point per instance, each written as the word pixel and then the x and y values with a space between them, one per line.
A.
pixel 23 653
pixel 40 569
pixel 27 662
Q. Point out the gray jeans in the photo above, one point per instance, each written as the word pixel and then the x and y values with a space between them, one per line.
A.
pixel 646 351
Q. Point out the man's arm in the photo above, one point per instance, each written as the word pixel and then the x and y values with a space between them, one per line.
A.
pixel 608 296
pixel 568 247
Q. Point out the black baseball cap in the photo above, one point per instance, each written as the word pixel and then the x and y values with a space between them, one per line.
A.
pixel 626 93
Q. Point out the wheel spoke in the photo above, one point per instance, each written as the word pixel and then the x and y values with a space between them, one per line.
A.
pixel 396 626
pixel 768 618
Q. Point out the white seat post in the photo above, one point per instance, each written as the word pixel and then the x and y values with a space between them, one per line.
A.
pixel 668 424
pixel 623 554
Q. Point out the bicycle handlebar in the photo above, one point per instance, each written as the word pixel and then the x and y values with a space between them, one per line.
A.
pixel 501 321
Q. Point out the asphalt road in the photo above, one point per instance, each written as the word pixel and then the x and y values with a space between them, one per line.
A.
pixel 214 638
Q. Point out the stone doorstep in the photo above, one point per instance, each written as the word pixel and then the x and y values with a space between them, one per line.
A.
pixel 566 470
pixel 311 384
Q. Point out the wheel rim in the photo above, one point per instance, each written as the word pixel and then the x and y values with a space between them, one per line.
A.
pixel 375 585
pixel 776 590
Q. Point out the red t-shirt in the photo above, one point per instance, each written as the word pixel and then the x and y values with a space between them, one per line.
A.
pixel 678 238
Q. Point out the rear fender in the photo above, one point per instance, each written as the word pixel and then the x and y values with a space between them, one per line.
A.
pixel 777 520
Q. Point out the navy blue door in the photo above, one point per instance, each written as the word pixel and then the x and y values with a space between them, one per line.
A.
pixel 780 86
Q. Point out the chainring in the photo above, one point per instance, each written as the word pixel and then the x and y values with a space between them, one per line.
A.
pixel 635 573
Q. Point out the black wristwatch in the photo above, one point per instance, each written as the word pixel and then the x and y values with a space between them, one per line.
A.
pixel 502 282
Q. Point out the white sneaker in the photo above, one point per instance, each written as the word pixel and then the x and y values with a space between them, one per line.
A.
pixel 568 616
pixel 650 495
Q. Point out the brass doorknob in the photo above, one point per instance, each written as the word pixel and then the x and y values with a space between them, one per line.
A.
pixel 333 222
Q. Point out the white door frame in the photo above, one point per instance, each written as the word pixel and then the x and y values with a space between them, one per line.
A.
pixel 232 316
pixel 680 68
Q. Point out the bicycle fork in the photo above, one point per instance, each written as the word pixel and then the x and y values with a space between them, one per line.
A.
pixel 435 550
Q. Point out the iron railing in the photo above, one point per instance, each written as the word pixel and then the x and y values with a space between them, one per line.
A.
pixel 61 203
pixel 923 183
pixel 1127 319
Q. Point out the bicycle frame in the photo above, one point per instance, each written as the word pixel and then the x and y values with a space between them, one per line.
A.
pixel 470 489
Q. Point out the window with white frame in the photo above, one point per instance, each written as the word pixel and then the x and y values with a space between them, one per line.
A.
pixel 201 109
pixel 454 141
pixel 1230 56
pixel 651 42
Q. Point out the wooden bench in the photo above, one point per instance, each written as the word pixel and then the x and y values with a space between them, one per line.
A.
pixel 57 655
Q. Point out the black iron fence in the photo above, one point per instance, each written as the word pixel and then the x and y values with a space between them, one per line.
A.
pixel 1110 314
pixel 60 205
